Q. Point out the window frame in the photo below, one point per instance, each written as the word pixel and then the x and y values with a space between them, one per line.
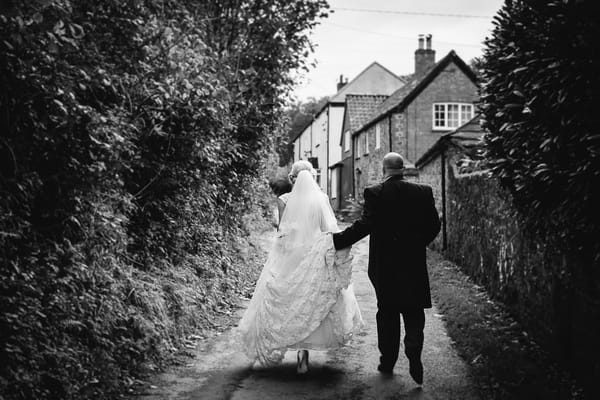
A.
pixel 334 183
pixel 366 133
pixel 448 115
pixel 347 141
pixel 377 136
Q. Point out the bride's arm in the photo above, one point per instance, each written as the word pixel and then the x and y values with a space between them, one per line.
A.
pixel 280 208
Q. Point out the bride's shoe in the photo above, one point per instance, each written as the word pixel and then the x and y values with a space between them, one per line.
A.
pixel 302 366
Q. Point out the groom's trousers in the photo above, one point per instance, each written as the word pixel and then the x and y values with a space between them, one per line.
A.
pixel 388 334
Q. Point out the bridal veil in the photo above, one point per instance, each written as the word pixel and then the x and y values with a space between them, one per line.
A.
pixel 303 298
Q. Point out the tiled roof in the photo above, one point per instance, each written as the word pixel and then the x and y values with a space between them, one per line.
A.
pixel 393 100
pixel 360 107
pixel 469 135
pixel 347 89
pixel 403 96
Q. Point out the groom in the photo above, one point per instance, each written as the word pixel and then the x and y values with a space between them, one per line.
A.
pixel 402 220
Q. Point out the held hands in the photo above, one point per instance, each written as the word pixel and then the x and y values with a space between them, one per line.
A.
pixel 342 255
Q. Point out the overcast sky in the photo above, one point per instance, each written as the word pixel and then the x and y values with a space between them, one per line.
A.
pixel 348 41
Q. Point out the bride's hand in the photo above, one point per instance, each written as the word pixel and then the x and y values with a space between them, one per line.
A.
pixel 342 254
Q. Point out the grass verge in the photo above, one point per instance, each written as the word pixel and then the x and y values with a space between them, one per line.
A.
pixel 504 360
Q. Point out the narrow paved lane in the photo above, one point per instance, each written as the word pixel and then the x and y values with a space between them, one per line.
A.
pixel 221 372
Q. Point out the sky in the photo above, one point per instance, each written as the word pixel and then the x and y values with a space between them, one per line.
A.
pixel 352 38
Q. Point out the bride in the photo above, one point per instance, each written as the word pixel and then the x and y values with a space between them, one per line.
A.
pixel 303 299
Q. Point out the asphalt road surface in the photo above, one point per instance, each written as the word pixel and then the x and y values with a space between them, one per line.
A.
pixel 219 371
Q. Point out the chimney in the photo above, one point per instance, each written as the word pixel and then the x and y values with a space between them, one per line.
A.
pixel 341 83
pixel 424 56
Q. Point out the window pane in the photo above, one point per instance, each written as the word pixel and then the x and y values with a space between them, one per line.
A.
pixel 452 115
pixel 334 184
pixel 347 141
pixel 439 117
pixel 466 113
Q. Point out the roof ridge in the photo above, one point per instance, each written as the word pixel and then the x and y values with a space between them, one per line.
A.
pixel 416 84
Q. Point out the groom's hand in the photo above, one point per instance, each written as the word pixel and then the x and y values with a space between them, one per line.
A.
pixel 334 237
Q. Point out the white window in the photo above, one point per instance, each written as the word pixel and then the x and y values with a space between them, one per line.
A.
pixel 366 142
pixel 451 115
pixel 334 188
pixel 357 140
pixel 377 136
pixel 347 141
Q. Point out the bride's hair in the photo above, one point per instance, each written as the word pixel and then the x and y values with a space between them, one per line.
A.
pixel 298 166
pixel 307 211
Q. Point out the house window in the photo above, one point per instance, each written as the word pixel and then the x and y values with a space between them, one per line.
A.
pixel 347 141
pixel 366 142
pixel 377 136
pixel 357 141
pixel 451 115
pixel 334 188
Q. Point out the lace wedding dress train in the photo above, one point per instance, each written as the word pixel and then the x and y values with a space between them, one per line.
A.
pixel 304 298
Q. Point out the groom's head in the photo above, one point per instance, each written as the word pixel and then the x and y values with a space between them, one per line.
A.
pixel 393 164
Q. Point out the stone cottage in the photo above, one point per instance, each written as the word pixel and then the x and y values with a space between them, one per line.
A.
pixel 357 110
pixel 454 154
pixel 439 97
pixel 318 142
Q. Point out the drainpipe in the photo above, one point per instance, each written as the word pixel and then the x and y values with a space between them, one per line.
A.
pixel 444 233
pixel 327 157
pixel 311 134
pixel 353 149
pixel 390 130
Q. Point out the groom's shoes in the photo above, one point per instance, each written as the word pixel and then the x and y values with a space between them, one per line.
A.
pixel 416 370
pixel 385 370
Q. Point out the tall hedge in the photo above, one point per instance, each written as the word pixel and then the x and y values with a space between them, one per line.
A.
pixel 539 99
pixel 133 136
pixel 540 85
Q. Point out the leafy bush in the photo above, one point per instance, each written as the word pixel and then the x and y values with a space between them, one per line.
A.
pixel 540 83
pixel 133 139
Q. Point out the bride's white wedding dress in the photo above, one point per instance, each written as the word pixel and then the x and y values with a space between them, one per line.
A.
pixel 303 298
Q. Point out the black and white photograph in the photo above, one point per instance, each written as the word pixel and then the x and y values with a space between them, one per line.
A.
pixel 299 200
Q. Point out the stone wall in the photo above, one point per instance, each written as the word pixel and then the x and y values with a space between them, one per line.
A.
pixel 431 174
pixel 370 164
pixel 399 144
pixel 553 294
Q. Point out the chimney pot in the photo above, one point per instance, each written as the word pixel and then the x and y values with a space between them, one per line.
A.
pixel 341 82
pixel 424 57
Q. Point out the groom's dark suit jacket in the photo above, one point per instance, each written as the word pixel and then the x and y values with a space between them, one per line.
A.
pixel 402 220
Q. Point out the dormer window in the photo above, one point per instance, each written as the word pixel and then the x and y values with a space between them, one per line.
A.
pixel 448 116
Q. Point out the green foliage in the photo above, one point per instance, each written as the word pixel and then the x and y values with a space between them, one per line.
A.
pixel 133 136
pixel 540 84
pixel 298 115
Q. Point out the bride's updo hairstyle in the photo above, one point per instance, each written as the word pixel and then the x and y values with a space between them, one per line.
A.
pixel 298 166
